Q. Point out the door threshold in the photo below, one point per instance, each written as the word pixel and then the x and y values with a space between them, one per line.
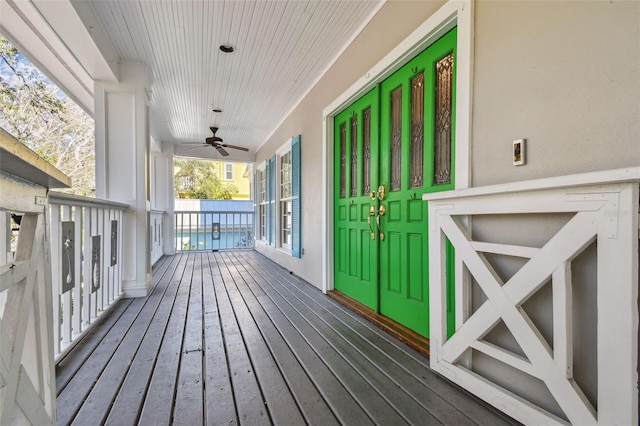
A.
pixel 410 337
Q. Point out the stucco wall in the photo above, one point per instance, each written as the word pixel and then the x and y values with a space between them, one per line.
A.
pixel 395 21
pixel 563 75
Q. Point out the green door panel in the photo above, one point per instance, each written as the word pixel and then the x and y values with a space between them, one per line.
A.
pixel 404 253
pixel 356 254
pixel 389 273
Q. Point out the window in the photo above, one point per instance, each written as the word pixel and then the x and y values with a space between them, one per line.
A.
pixel 228 171
pixel 278 199
pixel 262 205
pixel 285 199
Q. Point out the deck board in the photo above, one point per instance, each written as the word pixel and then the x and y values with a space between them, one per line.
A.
pixel 233 338
pixel 219 403
pixel 127 404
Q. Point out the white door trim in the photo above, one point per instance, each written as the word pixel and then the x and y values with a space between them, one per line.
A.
pixel 452 14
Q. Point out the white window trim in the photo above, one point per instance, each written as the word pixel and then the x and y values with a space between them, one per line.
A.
pixel 225 171
pixel 262 168
pixel 452 14
pixel 285 148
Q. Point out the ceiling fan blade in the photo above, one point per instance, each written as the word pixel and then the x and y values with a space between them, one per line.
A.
pixel 222 151
pixel 241 148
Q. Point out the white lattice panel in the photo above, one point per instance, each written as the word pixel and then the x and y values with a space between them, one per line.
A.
pixel 600 214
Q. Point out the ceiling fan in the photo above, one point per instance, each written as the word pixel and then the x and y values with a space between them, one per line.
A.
pixel 218 143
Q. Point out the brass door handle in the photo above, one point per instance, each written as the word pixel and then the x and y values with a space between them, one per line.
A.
pixel 378 225
pixel 372 212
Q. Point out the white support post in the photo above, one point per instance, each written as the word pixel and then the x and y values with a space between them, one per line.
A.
pixel 122 163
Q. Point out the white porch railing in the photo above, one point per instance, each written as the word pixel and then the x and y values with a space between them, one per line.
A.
pixel 86 259
pixel 546 296
pixel 214 230
pixel 156 238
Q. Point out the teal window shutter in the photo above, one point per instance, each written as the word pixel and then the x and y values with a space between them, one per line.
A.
pixel 296 218
pixel 271 184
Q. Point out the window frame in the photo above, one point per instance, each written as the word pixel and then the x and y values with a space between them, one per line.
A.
pixel 282 212
pixel 262 202
pixel 226 171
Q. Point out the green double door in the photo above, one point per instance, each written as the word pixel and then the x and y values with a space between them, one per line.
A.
pixel 391 146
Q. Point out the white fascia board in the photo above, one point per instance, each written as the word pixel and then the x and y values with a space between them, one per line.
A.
pixel 32 44
pixel 54 39
pixel 64 19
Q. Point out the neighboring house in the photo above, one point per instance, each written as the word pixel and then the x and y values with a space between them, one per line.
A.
pixel 467 169
pixel 227 173
pixel 234 173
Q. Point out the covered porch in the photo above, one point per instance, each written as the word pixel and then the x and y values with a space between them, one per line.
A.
pixel 531 288
pixel 232 338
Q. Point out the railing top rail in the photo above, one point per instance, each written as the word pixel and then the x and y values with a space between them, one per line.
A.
pixel 78 200
pixel 214 211
pixel 631 174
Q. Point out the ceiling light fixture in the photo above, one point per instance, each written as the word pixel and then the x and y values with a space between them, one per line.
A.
pixel 227 48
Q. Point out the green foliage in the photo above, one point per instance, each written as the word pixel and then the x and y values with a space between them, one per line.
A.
pixel 198 179
pixel 38 114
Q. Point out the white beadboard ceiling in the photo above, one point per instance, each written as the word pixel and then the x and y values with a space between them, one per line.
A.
pixel 282 48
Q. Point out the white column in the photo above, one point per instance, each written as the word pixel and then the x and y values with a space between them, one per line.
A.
pixel 162 193
pixel 122 164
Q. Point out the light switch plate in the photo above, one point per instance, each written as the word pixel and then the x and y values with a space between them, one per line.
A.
pixel 518 152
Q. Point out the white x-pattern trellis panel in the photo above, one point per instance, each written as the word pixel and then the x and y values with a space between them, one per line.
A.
pixel 27 382
pixel 605 214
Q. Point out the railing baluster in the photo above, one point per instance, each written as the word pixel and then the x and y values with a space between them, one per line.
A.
pixel 197 231
pixel 67 307
pixel 77 268
pixel 100 291
pixel 54 213
pixel 89 261
pixel 86 269
pixel 233 230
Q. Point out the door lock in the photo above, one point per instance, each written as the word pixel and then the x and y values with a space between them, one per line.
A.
pixel 381 192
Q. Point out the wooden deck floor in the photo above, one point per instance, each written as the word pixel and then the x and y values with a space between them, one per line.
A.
pixel 232 338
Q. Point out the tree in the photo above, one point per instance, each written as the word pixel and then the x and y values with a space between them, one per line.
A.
pixel 42 117
pixel 198 179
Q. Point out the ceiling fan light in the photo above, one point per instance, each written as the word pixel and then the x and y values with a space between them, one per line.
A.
pixel 227 48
